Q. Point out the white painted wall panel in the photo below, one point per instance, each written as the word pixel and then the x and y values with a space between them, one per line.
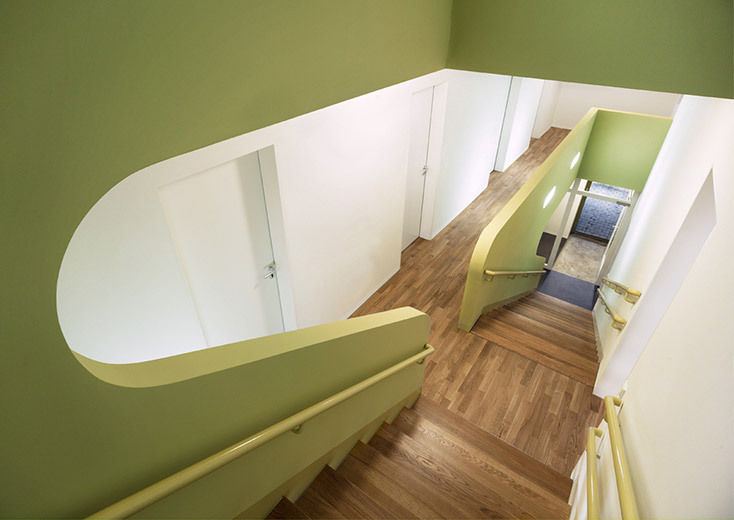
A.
pixel 677 419
pixel 546 107
pixel 519 119
pixel 575 99
pixel 336 185
pixel 474 112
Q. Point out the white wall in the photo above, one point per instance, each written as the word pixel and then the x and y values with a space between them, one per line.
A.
pixel 556 219
pixel 546 107
pixel 677 416
pixel 573 100
pixel 474 110
pixel 334 181
pixel 522 107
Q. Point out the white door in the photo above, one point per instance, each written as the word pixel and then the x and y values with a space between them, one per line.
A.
pixel 420 133
pixel 219 224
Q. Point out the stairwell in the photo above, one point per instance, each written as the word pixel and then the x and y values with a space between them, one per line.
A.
pixel 433 463
pixel 501 419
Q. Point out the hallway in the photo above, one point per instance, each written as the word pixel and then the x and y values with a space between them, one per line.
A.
pixel 533 407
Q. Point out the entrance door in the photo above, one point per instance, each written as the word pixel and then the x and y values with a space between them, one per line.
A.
pixel 420 132
pixel 219 224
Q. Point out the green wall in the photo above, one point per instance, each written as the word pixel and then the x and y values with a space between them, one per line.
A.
pixel 622 148
pixel 92 91
pixel 682 46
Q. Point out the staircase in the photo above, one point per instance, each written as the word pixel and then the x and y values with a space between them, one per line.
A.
pixel 549 331
pixel 431 463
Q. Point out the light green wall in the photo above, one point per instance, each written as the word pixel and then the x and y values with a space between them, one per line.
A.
pixel 683 46
pixel 510 240
pixel 622 148
pixel 92 91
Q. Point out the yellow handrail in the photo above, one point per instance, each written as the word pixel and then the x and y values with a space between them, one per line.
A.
pixel 168 485
pixel 592 486
pixel 630 295
pixel 617 322
pixel 512 274
pixel 626 493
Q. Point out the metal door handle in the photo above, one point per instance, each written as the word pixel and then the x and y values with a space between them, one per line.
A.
pixel 270 271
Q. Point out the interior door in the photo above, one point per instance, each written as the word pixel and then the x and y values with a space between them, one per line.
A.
pixel 219 224
pixel 420 133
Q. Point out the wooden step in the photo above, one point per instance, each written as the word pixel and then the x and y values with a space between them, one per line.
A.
pixel 446 476
pixel 543 301
pixel 285 509
pixel 437 497
pixel 581 346
pixel 523 493
pixel 555 319
pixel 542 350
pixel 333 496
pixel 510 457
pixel 384 489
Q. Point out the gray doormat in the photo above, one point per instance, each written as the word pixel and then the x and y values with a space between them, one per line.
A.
pixel 569 289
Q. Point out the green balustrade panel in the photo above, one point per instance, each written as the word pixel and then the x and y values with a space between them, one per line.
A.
pixel 91 443
pixel 615 148
pixel 510 240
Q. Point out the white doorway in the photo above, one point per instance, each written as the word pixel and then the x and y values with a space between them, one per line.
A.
pixel 421 118
pixel 219 225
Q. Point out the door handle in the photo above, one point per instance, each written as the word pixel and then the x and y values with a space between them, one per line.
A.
pixel 424 171
pixel 269 271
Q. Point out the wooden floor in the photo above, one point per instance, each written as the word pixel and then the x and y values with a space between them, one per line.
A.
pixel 502 391
pixel 503 412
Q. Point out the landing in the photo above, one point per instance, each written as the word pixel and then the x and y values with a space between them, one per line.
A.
pixel 539 410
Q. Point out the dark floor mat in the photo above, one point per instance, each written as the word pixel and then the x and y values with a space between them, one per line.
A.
pixel 546 244
pixel 569 289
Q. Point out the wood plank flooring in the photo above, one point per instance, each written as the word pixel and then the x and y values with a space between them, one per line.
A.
pixel 536 408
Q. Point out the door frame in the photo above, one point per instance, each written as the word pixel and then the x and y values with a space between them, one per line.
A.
pixel 274 209
pixel 433 157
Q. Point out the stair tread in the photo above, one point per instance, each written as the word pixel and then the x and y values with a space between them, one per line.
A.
pixel 524 493
pixel 345 497
pixel 285 509
pixel 579 345
pixel 446 475
pixel 511 457
pixel 317 506
pixel 538 349
pixel 391 493
pixel 444 502
pixel 558 320
pixel 543 300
